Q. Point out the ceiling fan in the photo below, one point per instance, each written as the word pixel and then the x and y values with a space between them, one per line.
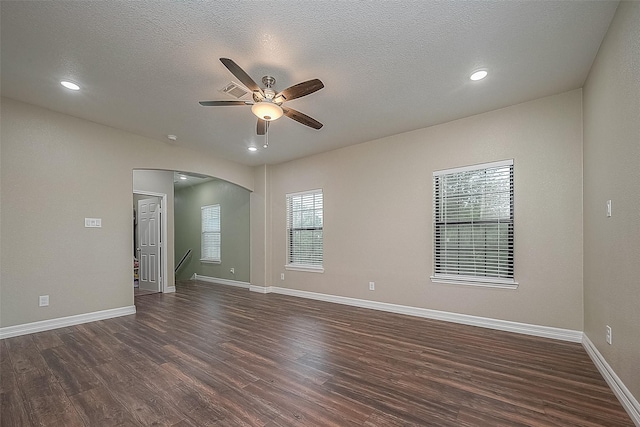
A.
pixel 268 105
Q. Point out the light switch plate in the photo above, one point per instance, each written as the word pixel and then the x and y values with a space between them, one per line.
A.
pixel 93 222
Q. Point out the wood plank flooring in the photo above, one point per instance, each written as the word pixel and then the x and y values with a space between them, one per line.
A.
pixel 137 292
pixel 212 355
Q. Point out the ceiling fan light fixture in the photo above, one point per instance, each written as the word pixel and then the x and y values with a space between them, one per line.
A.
pixel 267 110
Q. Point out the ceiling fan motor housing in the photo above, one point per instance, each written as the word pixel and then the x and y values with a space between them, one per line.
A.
pixel 269 81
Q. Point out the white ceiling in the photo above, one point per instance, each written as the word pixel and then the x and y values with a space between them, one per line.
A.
pixel 388 66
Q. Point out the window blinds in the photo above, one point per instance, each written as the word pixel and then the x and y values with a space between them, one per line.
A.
pixel 473 223
pixel 305 228
pixel 210 241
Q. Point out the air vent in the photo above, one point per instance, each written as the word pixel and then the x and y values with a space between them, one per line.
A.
pixel 235 90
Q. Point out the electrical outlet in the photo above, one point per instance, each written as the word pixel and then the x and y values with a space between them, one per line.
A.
pixel 372 286
pixel 43 300
pixel 608 334
pixel 281 276
pixel 232 270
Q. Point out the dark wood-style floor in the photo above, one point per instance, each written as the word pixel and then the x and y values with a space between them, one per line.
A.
pixel 224 356
pixel 137 292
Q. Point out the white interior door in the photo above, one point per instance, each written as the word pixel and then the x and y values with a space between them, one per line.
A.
pixel 149 238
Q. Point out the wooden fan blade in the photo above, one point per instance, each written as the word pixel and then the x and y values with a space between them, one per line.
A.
pixel 301 89
pixel 241 75
pixel 222 103
pixel 262 127
pixel 301 118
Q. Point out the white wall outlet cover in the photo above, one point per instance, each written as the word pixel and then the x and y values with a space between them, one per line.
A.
pixel 43 300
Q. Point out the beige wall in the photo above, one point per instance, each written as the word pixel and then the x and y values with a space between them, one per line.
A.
pixel 261 227
pixel 55 171
pixel 378 212
pixel 160 182
pixel 612 172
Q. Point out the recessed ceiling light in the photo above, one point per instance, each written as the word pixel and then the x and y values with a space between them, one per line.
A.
pixel 70 85
pixel 478 75
pixel 183 177
pixel 252 149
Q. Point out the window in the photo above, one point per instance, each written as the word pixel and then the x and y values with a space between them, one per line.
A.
pixel 304 231
pixel 210 240
pixel 473 225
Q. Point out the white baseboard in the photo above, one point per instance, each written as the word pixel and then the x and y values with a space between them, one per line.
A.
pixel 61 322
pixel 221 281
pixel 484 322
pixel 169 289
pixel 629 403
pixel 261 289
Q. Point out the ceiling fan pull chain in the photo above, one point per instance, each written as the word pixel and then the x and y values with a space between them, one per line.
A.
pixel 266 135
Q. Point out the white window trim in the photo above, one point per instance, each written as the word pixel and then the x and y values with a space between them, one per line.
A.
pixel 305 267
pixel 474 167
pixel 487 282
pixel 211 260
pixel 475 281
pixel 310 268
pixel 302 193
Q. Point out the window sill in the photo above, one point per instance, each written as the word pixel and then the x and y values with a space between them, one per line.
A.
pixel 472 281
pixel 210 261
pixel 307 268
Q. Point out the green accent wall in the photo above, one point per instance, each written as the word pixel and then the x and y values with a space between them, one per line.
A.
pixel 234 226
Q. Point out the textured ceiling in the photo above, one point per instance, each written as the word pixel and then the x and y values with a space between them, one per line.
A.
pixel 388 66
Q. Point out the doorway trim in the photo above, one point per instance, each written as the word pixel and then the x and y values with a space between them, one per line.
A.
pixel 163 244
